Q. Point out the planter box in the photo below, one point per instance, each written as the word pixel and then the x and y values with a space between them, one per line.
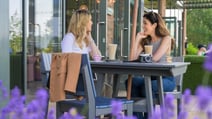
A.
pixel 16 72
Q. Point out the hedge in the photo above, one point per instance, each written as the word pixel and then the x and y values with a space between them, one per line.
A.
pixel 195 72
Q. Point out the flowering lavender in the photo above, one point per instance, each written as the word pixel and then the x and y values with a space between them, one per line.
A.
pixel 116 110
pixel 204 95
pixel 116 107
pixel 3 90
pixel 156 114
pixel 186 97
pixel 208 59
pixel 17 109
pixel 209 114
pixel 167 110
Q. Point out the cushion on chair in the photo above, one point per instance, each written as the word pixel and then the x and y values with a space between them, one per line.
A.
pixel 101 102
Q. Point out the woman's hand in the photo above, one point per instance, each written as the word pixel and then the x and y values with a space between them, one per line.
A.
pixel 88 36
pixel 140 36
pixel 94 49
pixel 137 48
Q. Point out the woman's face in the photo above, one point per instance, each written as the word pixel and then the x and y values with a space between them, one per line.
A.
pixel 148 27
pixel 89 25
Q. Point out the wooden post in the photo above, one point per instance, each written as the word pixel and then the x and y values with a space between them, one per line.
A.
pixel 184 39
pixel 134 24
pixel 162 7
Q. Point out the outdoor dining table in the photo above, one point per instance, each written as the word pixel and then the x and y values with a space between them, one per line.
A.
pixel 137 68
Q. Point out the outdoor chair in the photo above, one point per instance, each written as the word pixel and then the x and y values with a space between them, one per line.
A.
pixel 91 105
pixel 45 67
pixel 179 84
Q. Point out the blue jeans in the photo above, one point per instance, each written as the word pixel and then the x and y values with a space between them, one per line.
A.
pixel 138 89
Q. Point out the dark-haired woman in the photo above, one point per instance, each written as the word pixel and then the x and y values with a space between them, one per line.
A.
pixel 154 33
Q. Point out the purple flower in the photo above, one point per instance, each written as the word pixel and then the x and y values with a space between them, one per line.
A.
pixel 42 95
pixel 4 92
pixel 66 115
pixel 15 92
pixel 169 98
pixel 33 106
pixel 74 114
pixel 204 95
pixel 130 117
pixel 187 96
pixel 116 107
pixel 208 59
pixel 51 114
pixel 168 107
pixel 196 117
pixel 156 114
pixel 209 114
pixel 183 115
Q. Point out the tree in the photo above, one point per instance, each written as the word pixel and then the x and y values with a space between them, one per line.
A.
pixel 199 26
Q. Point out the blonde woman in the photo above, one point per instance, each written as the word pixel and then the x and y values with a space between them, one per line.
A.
pixel 79 40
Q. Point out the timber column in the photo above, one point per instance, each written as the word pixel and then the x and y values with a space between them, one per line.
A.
pixel 162 7
pixel 184 34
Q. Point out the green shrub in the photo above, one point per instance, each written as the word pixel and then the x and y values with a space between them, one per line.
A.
pixel 195 72
pixel 191 49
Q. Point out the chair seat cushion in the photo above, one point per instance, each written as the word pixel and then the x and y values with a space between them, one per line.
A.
pixel 101 102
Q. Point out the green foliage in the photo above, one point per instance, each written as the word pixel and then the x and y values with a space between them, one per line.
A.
pixel 15 34
pixel 199 26
pixel 194 73
pixel 191 50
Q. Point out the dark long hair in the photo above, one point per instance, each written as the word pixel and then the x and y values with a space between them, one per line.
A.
pixel 160 30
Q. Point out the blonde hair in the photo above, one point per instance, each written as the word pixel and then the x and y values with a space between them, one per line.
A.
pixel 78 25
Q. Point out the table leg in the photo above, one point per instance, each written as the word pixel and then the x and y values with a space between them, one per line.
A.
pixel 129 86
pixel 160 90
pixel 99 84
pixel 116 82
pixel 149 98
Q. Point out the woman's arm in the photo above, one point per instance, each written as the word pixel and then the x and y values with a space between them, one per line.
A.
pixel 165 47
pixel 94 49
pixel 138 49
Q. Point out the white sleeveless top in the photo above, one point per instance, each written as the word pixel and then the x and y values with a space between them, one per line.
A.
pixel 69 44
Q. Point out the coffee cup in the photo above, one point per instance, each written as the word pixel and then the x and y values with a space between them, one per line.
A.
pixel 112 51
pixel 148 49
pixel 97 58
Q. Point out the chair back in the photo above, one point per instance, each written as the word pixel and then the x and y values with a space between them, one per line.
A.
pixel 87 74
pixel 45 66
pixel 46 59
pixel 90 90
